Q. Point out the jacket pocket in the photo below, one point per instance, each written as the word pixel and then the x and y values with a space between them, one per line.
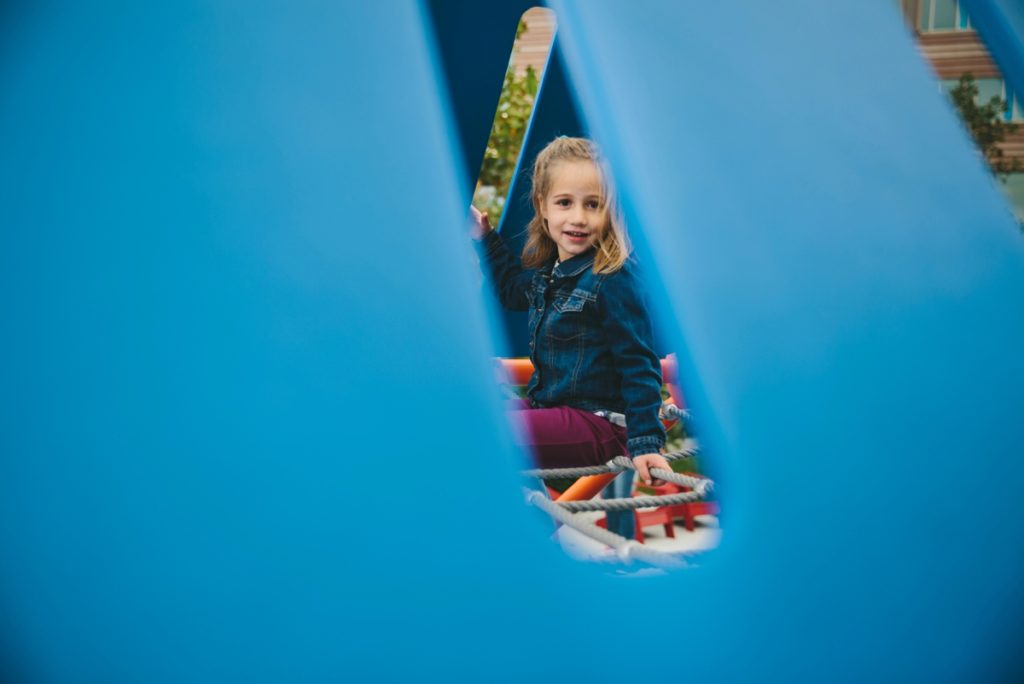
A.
pixel 571 302
pixel 567 316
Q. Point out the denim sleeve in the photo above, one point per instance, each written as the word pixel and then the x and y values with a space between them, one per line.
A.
pixel 510 281
pixel 627 326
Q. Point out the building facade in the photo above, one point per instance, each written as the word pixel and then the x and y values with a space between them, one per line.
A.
pixel 953 48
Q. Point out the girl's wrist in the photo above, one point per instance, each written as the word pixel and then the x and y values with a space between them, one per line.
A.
pixel 644 445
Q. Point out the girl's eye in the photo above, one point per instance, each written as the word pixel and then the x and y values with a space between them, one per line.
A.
pixel 562 202
pixel 593 205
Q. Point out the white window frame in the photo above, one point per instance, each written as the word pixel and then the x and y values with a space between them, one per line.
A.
pixel 1016 109
pixel 929 7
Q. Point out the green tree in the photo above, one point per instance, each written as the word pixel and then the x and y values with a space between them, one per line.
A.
pixel 986 125
pixel 510 120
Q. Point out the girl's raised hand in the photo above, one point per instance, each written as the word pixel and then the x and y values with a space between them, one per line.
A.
pixel 479 225
pixel 645 462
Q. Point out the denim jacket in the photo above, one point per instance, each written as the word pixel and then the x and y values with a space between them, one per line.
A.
pixel 590 338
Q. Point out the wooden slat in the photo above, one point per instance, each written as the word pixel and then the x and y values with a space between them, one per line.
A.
pixel 952 53
pixel 533 46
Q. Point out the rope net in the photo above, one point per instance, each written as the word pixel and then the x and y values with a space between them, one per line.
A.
pixel 626 550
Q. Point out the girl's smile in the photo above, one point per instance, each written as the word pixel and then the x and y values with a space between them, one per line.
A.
pixel 573 209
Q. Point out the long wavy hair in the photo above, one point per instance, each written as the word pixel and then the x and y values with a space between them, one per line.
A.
pixel 612 246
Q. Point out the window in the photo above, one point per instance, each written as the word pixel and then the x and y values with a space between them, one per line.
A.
pixel 1014 187
pixel 1015 112
pixel 989 88
pixel 942 15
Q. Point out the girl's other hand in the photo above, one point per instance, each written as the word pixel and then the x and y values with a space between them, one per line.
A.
pixel 645 462
pixel 479 225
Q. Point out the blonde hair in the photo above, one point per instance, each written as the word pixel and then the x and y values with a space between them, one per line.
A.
pixel 612 244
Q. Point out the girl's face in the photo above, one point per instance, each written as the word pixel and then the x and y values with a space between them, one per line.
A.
pixel 573 210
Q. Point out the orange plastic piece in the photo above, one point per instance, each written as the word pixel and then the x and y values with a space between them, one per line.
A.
pixel 586 487
pixel 518 371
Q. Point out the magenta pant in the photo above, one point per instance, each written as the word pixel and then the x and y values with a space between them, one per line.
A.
pixel 565 437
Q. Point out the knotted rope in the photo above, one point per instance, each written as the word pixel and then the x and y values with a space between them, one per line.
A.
pixel 630 504
pixel 626 549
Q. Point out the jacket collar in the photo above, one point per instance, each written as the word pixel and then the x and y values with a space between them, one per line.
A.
pixel 575 266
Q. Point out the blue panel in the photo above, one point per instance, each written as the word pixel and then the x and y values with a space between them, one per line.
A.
pixel 1001 25
pixel 239 306
pixel 944 15
pixel 852 328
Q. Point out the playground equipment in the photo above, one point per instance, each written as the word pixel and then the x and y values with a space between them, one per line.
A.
pixel 233 232
pixel 591 480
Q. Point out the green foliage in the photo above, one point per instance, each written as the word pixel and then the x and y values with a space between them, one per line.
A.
pixel 514 107
pixel 986 125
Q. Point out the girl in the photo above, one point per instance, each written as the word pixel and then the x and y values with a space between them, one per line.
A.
pixel 590 333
